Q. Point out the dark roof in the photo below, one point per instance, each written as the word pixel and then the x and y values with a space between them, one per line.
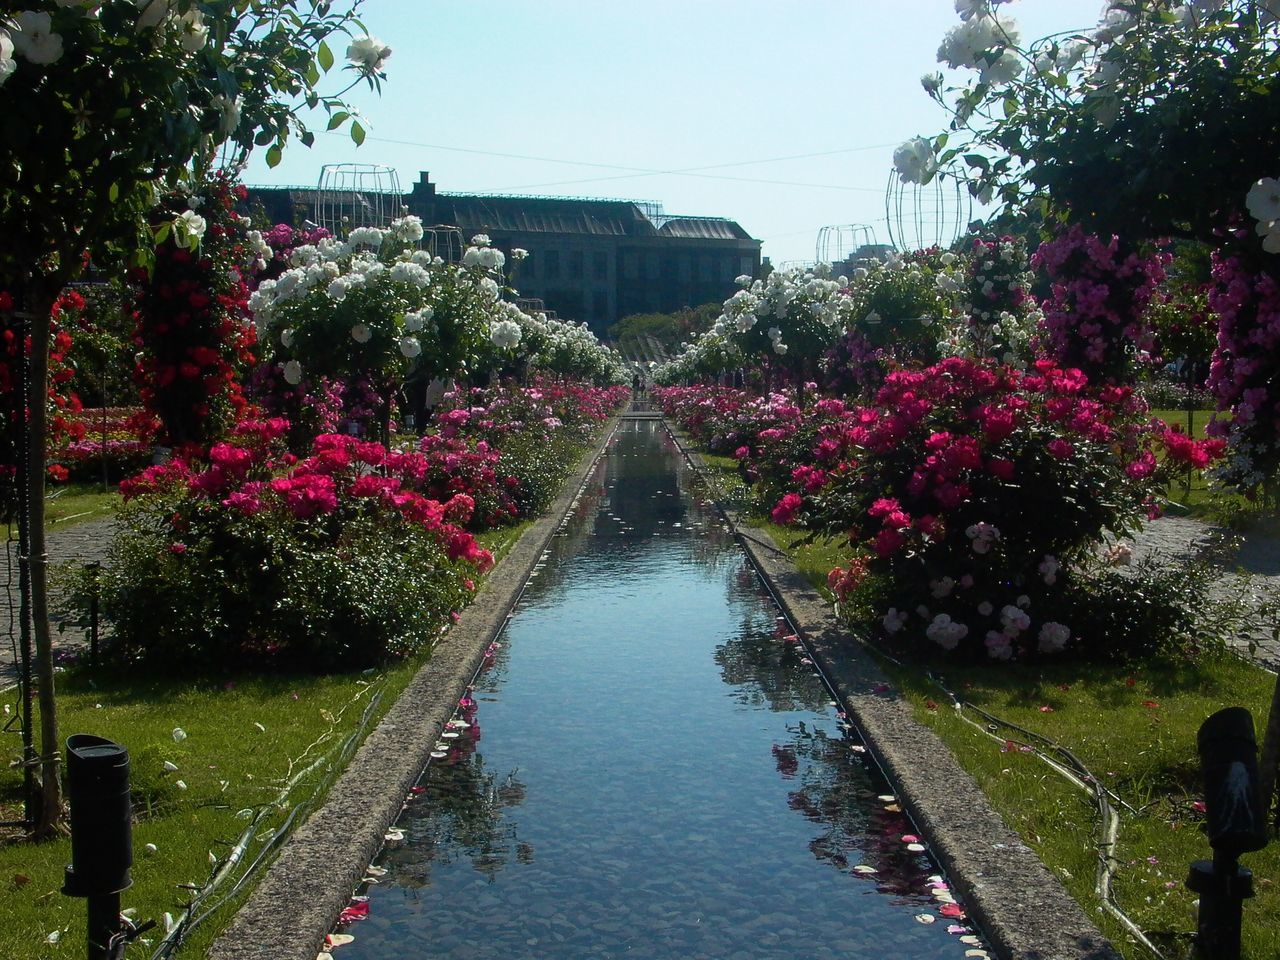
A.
pixel 538 215
pixel 703 228
pixel 477 213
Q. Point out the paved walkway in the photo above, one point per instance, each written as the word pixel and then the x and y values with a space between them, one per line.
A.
pixel 76 544
pixel 1250 570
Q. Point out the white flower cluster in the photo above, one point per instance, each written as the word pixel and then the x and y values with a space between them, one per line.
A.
pixel 945 632
pixel 505 334
pixel 983 536
pixel 1263 203
pixel 984 41
pixel 796 301
pixel 480 254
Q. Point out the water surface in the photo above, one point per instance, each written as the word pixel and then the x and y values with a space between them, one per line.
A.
pixel 652 769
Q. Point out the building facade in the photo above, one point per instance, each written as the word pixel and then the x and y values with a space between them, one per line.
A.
pixel 592 260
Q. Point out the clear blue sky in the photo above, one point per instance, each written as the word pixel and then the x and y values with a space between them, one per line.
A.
pixel 579 87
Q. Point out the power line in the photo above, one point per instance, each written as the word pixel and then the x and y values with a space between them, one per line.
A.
pixel 634 172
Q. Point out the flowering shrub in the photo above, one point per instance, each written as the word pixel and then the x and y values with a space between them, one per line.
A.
pixel 373 306
pixel 1094 315
pixel 191 311
pixel 534 432
pixel 975 489
pixel 1000 312
pixel 788 320
pixel 257 558
pixel 970 492
pixel 1243 373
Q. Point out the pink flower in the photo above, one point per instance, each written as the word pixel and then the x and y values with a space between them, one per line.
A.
pixel 1060 449
pixel 785 512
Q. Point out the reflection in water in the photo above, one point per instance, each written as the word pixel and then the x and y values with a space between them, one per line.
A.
pixel 661 774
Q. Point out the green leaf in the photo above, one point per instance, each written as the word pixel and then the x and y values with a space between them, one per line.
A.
pixel 977 160
pixel 1010 106
pixel 113 193
pixel 325 56
pixel 273 156
pixel 357 133
pixel 338 119
pixel 308 138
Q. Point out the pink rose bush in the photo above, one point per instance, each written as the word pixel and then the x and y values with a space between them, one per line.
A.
pixel 258 558
pixel 251 556
pixel 971 494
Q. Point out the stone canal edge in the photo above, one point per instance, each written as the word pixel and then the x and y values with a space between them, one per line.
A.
pixel 299 898
pixel 1023 909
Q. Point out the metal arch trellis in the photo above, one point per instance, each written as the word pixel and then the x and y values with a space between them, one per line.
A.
pixel 926 215
pixel 445 242
pixel 840 242
pixel 351 195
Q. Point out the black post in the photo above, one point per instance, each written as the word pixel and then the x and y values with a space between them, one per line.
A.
pixel 101 837
pixel 1236 824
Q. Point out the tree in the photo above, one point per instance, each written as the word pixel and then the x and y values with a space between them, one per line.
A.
pixel 106 105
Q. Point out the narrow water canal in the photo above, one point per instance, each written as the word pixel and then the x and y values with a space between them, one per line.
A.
pixel 651 769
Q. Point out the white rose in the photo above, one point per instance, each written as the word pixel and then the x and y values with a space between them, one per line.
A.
pixel 369 54
pixel 293 372
pixel 410 347
pixel 361 333
pixel 35 39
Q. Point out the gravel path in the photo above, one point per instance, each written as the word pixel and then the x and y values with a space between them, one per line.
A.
pixel 77 544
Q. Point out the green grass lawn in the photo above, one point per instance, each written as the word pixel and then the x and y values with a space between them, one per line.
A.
pixel 71 503
pixel 245 737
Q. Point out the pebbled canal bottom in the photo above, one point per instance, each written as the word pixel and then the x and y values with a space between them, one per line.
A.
pixel 651 768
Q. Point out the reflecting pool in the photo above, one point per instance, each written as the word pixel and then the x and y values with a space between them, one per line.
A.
pixel 651 768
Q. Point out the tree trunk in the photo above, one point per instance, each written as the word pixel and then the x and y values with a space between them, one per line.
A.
pixel 39 303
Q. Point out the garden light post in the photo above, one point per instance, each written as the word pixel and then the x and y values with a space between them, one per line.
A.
pixel 101 838
pixel 1236 824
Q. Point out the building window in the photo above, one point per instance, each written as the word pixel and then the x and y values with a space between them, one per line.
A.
pixel 746 267
pixel 575 264
pixel 651 266
pixel 706 270
pixel 600 265
pixel 684 268
pixel 600 304
pixel 631 265
pixel 726 270
pixel 551 265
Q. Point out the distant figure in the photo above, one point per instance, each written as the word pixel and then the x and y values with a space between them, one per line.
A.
pixel 637 384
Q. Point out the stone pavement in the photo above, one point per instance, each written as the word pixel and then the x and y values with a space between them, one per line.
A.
pixel 1250 569
pixel 76 544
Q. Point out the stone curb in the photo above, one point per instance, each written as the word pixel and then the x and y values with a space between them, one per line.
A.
pixel 1023 909
pixel 299 898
